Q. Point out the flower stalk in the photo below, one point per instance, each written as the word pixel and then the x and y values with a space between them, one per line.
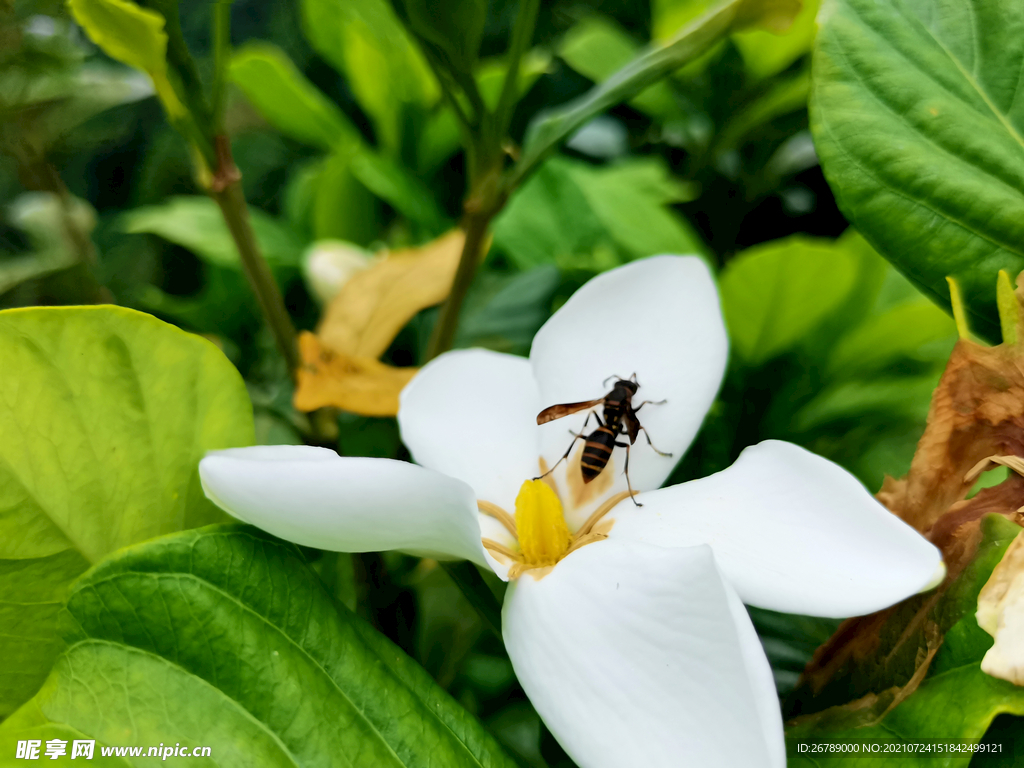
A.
pixel 226 190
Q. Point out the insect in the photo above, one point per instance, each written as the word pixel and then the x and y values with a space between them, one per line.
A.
pixel 619 418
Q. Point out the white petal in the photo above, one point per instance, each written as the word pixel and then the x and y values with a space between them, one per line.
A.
pixel 316 498
pixel 471 414
pixel 657 317
pixel 634 656
pixel 791 531
pixel 759 672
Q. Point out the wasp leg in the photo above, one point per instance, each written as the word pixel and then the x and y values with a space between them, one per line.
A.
pixel 626 472
pixel 652 402
pixel 660 453
pixel 575 436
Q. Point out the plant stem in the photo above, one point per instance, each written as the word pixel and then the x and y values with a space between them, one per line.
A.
pixel 475 223
pixel 221 55
pixel 226 190
pixel 522 36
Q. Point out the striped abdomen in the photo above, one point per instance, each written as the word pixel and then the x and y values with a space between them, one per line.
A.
pixel 597 451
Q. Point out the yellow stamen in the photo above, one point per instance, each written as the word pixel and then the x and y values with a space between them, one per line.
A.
pixel 543 535
pixel 499 514
pixel 600 512
pixel 499 549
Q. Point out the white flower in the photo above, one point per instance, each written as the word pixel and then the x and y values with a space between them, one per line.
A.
pixel 624 623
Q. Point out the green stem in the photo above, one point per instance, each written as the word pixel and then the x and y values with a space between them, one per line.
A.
pixel 226 190
pixel 469 581
pixel 221 56
pixel 522 35
pixel 476 224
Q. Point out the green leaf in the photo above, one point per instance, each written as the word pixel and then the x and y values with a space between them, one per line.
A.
pixel 774 294
pixel 196 223
pixel 956 700
pixel 597 47
pixel 454 28
pixel 394 184
pixel 365 41
pixel 512 314
pixel 785 96
pixel 132 35
pixel 288 100
pixel 631 200
pixel 660 59
pixel 789 641
pixel 225 637
pixel 918 118
pixel 104 415
pixel 906 396
pixel 911 329
pixel 570 208
pixel 343 207
pixel 768 53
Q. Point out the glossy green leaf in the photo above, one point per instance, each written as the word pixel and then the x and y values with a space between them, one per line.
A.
pixel 365 41
pixel 918 117
pixel 956 700
pixel 597 47
pixel 104 415
pixel 132 35
pixel 773 294
pixel 454 28
pixel 660 59
pixel 225 637
pixel 197 224
pixel 570 208
pixel 288 100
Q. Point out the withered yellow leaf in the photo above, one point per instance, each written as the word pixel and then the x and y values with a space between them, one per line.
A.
pixel 350 382
pixel 371 308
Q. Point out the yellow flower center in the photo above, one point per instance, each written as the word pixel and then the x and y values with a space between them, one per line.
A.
pixel 540 529
pixel 543 535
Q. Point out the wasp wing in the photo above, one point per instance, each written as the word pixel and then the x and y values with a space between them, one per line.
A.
pixel 632 425
pixel 564 409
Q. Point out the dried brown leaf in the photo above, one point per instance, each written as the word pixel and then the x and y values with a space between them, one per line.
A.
pixel 357 384
pixel 374 305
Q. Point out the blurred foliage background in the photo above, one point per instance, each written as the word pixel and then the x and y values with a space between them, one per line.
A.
pixel 341 134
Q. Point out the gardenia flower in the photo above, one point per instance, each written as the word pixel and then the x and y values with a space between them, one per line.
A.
pixel 625 624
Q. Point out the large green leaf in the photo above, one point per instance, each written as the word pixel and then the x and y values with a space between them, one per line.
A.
pixel 917 111
pixel 197 224
pixel 104 415
pixel 288 100
pixel 956 700
pixel 225 637
pixel 774 294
